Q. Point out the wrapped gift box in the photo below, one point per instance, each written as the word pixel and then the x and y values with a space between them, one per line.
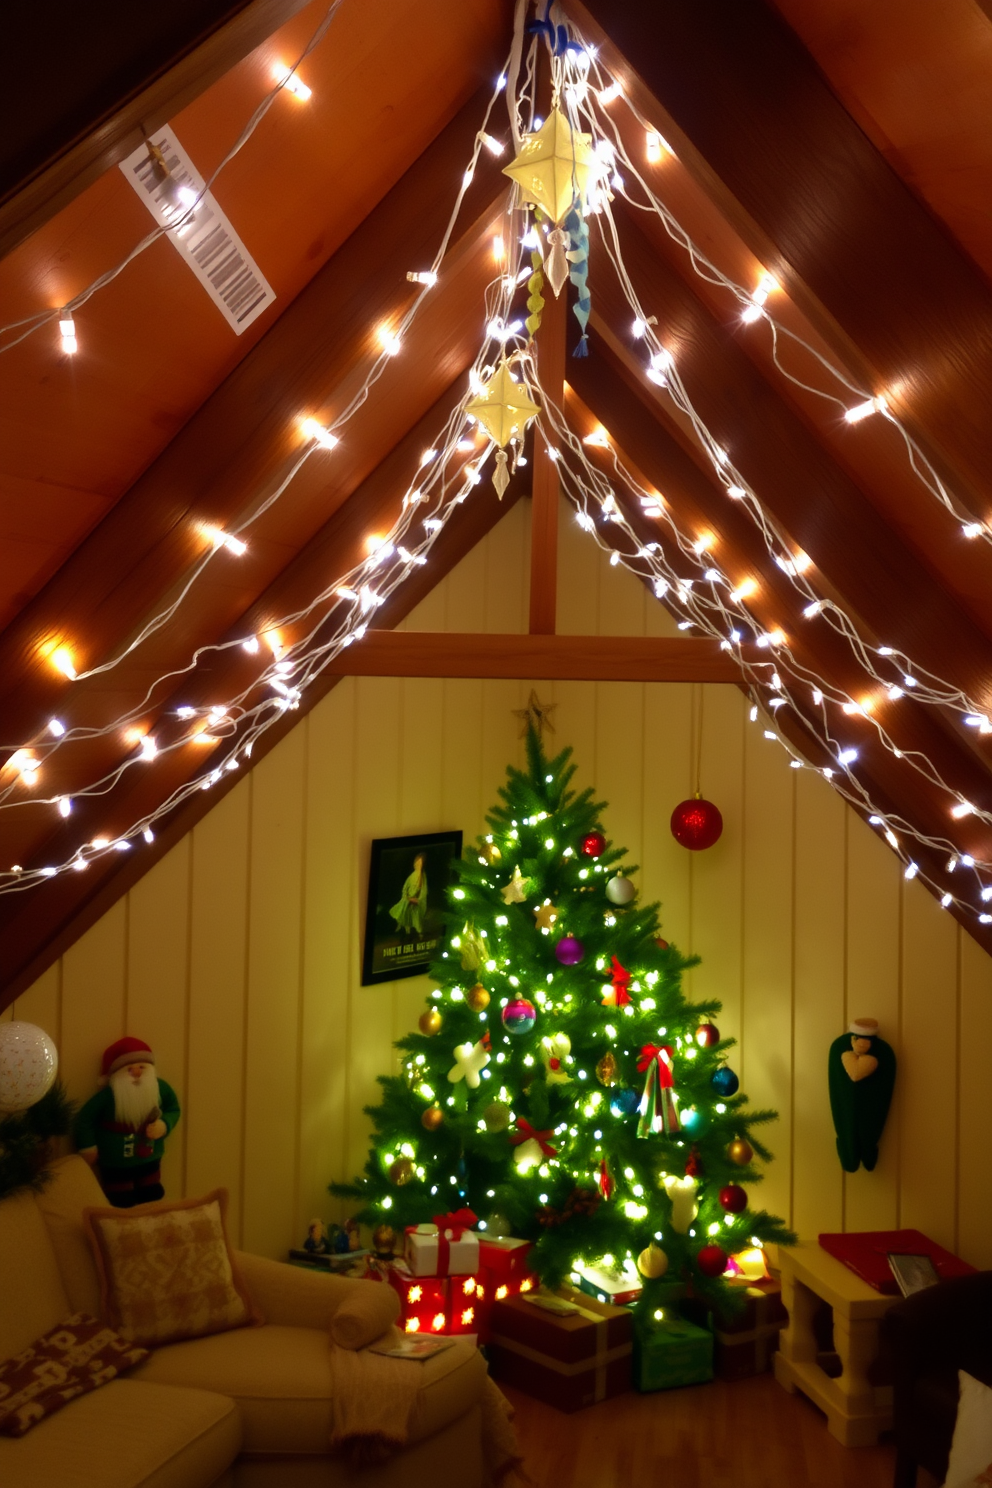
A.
pixel 506 1260
pixel 618 1287
pixel 745 1340
pixel 423 1300
pixel 671 1353
pixel 568 1359
pixel 435 1251
pixel 465 1304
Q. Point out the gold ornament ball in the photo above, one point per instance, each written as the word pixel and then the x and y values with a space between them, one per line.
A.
pixel 606 1070
pixel 477 998
pixel 652 1262
pixel 740 1152
pixel 429 1022
pixel 496 1117
pixel 491 853
pixel 384 1240
pixel 401 1171
pixel 432 1118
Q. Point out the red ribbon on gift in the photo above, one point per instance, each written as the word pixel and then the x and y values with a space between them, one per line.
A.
pixel 663 1054
pixel 457 1222
pixel 524 1133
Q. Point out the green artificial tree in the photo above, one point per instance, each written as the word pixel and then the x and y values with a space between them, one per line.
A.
pixel 561 1086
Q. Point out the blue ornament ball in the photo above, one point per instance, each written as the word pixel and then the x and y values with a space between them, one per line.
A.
pixel 519 1016
pixel 724 1081
pixel 624 1102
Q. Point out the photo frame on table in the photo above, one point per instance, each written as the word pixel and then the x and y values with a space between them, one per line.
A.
pixel 409 879
pixel 913 1273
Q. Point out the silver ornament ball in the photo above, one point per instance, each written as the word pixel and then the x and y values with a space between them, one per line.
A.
pixel 620 890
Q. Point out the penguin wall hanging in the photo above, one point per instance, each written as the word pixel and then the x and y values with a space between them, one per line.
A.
pixel 862 1075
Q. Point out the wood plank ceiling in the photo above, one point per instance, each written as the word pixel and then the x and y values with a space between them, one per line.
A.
pixel 843 149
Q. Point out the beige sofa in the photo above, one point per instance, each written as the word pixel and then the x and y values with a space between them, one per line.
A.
pixel 246 1409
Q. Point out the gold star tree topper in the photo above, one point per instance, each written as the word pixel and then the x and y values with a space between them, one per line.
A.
pixel 536 715
pixel 554 166
pixel 503 407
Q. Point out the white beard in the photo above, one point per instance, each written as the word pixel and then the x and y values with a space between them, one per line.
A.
pixel 134 1100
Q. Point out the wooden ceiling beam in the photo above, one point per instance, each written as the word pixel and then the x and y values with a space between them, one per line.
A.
pixel 752 118
pixel 127 80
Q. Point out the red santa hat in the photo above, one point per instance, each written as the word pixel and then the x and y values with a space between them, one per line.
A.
pixel 124 1052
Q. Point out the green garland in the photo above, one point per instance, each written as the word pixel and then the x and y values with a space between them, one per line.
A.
pixel 25 1138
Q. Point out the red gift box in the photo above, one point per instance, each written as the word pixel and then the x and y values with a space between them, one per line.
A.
pixel 569 1360
pixel 506 1259
pixel 464 1304
pixel 866 1254
pixel 423 1300
pixel 746 1338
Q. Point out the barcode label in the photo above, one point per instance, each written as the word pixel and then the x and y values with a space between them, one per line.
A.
pixel 203 236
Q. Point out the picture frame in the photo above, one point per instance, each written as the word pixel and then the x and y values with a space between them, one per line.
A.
pixel 913 1273
pixel 404 928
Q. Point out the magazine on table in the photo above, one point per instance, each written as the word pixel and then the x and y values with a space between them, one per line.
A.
pixel 413 1346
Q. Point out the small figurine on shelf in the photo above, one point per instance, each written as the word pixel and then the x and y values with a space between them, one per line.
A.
pixel 316 1241
pixel 352 1235
pixel 121 1129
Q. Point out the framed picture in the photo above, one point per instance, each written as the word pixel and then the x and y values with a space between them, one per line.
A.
pixel 408 883
pixel 914 1273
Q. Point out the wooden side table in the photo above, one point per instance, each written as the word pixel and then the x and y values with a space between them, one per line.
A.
pixel 857 1411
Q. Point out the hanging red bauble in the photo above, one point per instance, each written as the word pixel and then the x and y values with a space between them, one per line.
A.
pixel 696 824
pixel 712 1261
pixel 733 1198
pixel 707 1034
pixel 661 943
pixel 594 845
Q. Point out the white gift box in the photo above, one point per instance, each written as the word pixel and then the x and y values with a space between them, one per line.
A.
pixel 430 1252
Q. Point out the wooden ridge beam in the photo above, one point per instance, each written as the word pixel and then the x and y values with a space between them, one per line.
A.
pixel 144 79
pixel 555 658
pixel 752 118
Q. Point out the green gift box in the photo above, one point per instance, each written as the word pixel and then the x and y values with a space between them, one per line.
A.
pixel 671 1353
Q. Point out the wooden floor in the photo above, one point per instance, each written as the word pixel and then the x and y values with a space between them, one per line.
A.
pixel 746 1435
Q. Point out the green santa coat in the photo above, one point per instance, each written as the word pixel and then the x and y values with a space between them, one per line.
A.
pixel 117 1145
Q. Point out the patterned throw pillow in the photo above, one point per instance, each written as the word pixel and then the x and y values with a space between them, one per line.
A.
pixel 78 1356
pixel 167 1271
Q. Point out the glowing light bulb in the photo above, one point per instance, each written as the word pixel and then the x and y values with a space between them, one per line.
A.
pixel 946 900
pixel 656 147
pixel 911 870
pixel 148 835
pixel 499 248
pixel 149 749
pixel 599 438
pixel 250 645
pixel 494 146
pixel 703 543
pixel 292 84
pixel 388 340
pixel 963 808
pixel 610 94
pixel 67 330
pixel 62 661
pixel 221 539
pixel 315 431
pixel 64 805
pixel 56 727
pixel 972 529
pixel 744 588
pixel 865 410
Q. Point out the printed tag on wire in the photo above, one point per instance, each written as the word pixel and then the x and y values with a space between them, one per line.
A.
pixel 169 184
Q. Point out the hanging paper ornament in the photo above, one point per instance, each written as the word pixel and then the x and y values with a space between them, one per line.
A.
pixel 606 1070
pixel 657 1106
pixel 504 408
pixel 477 998
pixel 578 231
pixel 616 995
pixel 515 892
pixel 733 1198
pixel 696 824
pixel 556 262
pixel 429 1022
pixel 569 950
pixel 496 1117
pixel 620 890
pixel 519 1015
pixel 490 852
pixel 532 1147
pixel 469 1060
pixel 593 845
pixel 402 1171
pixel 624 1102
pixel 712 1261
pixel 740 1152
pixel 28 1064
pixel 432 1118
pixel 472 949
pixel 535 299
pixel 604 1180
pixel 724 1081
pixel 545 915
pixel 707 1034
pixel 555 1051
pixel 652 1262
pixel 685 1207
pixel 554 166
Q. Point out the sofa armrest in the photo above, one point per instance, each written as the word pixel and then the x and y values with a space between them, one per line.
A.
pixel 292 1296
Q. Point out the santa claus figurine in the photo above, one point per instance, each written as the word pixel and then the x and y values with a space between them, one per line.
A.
pixel 123 1127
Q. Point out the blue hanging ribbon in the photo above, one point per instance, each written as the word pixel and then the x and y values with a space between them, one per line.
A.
pixel 557 36
pixel 578 231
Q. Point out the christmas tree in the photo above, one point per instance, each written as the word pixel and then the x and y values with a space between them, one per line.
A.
pixel 561 1086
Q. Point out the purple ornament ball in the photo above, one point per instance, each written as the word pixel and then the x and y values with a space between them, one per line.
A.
pixel 569 950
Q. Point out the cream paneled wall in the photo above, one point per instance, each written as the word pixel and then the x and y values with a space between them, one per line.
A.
pixel 238 955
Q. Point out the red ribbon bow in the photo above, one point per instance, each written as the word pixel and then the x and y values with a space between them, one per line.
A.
pixel 663 1054
pixel 457 1222
pixel 524 1133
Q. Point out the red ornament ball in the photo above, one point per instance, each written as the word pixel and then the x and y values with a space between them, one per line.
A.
pixel 661 943
pixel 712 1261
pixel 733 1198
pixel 696 824
pixel 594 845
pixel 707 1034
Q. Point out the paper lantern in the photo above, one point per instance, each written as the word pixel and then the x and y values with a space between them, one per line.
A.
pixel 28 1064
pixel 503 407
pixel 554 166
